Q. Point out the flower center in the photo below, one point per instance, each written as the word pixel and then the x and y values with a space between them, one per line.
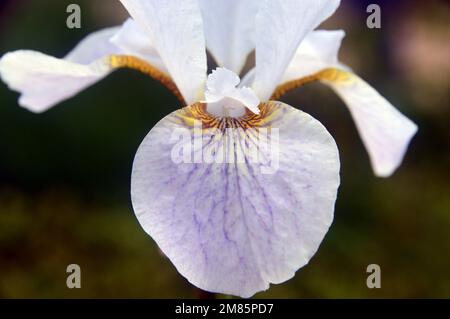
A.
pixel 201 112
pixel 225 99
pixel 226 107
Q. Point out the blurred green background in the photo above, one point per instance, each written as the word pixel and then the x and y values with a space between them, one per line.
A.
pixel 65 174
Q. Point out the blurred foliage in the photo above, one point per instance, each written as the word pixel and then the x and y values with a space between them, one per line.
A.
pixel 65 174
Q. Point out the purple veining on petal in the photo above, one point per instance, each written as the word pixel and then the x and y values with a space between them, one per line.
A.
pixel 227 227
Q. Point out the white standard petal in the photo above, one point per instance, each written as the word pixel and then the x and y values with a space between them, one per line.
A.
pixel 281 25
pixel 385 131
pixel 319 50
pixel 175 29
pixel 225 98
pixel 229 30
pixel 44 81
pixel 134 41
pixel 94 46
pixel 234 209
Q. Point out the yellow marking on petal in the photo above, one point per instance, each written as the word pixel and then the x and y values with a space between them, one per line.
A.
pixel 131 62
pixel 330 74
pixel 191 114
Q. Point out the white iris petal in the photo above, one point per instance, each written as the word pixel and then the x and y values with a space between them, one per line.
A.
pixel 44 81
pixel 132 40
pixel 225 225
pixel 175 28
pixel 280 27
pixel 319 50
pixel 229 30
pixel 386 132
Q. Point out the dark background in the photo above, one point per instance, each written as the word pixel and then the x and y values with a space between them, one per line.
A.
pixel 65 174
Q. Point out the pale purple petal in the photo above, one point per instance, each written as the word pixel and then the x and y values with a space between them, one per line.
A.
pixel 235 226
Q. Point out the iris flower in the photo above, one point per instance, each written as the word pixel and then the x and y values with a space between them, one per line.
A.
pixel 226 225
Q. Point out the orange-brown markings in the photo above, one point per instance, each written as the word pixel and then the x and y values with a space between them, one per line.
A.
pixel 269 112
pixel 330 74
pixel 131 62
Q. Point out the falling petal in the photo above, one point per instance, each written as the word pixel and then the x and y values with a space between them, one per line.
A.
pixel 44 81
pixel 385 131
pixel 236 203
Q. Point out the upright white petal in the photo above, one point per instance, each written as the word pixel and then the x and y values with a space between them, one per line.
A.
pixel 319 50
pixel 233 220
pixel 175 28
pixel 229 30
pixel 385 131
pixel 94 46
pixel 44 81
pixel 133 40
pixel 281 25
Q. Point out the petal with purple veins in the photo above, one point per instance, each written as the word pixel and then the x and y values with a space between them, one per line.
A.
pixel 250 203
